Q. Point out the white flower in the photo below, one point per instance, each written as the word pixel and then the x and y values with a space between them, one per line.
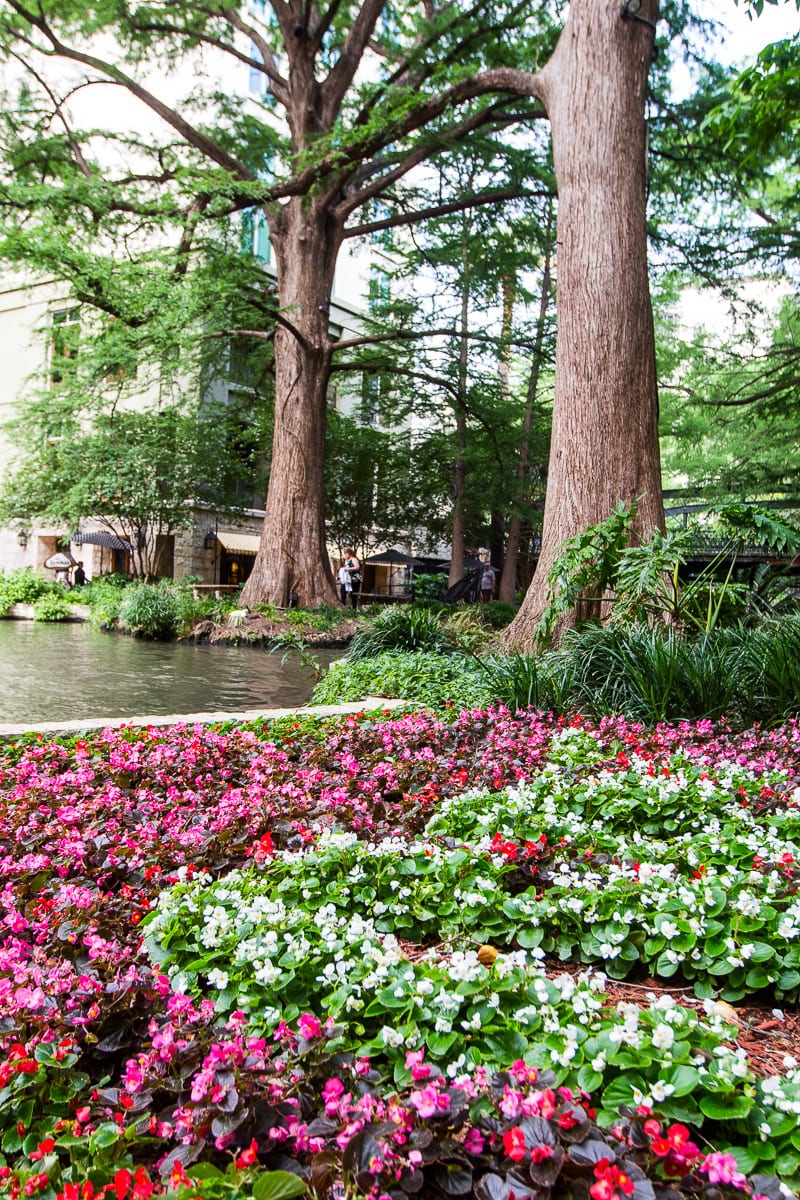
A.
pixel 663 1037
pixel 217 978
pixel 391 1037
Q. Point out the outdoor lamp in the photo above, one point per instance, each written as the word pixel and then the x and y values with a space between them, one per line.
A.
pixel 631 9
pixel 209 541
pixel 22 538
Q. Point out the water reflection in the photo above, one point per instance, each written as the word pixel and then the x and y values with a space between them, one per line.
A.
pixel 70 672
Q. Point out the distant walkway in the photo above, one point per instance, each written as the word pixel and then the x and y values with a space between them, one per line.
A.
pixel 57 729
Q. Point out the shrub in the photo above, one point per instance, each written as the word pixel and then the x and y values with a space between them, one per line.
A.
pixel 152 610
pixel 653 675
pixel 772 666
pixel 23 586
pixel 435 680
pixel 498 614
pixel 406 627
pixel 104 597
pixel 429 587
pixel 530 681
pixel 51 607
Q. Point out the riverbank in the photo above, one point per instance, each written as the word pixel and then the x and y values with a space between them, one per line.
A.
pixel 259 629
pixel 25 612
pixel 236 628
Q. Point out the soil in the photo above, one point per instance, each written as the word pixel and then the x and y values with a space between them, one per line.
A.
pixel 255 629
pixel 767 1035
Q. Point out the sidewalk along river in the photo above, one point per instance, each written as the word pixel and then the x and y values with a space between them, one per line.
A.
pixel 68 672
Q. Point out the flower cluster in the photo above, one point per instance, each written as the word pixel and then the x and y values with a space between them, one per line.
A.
pixel 179 907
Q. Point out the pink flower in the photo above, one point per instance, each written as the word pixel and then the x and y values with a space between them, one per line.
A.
pixel 425 1101
pixel 723 1168
pixel 309 1027
pixel 474 1142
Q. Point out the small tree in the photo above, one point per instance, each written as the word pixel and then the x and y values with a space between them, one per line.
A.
pixel 137 474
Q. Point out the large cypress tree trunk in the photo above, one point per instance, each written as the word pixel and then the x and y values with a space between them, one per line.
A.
pixel 292 556
pixel 605 436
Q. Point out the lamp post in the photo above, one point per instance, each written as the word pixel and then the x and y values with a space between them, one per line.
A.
pixel 630 9
pixel 210 543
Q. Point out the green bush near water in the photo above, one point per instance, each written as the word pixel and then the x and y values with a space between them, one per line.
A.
pixel 407 627
pixel 52 607
pixel 157 610
pixel 24 586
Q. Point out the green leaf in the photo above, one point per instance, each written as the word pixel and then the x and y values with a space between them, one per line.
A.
pixel 278 1185
pixel 683 1079
pixel 725 1106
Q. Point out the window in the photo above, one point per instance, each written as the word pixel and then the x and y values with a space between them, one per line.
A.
pixel 255 234
pixel 63 342
pixel 370 398
pixel 258 80
pixel 379 287
pixel 381 237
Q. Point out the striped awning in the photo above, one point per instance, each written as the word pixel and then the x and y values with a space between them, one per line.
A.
pixel 238 543
pixel 99 537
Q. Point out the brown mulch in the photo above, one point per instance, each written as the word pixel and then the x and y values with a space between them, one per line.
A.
pixel 766 1033
pixel 765 1037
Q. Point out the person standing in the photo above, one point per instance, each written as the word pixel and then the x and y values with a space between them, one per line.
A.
pixel 488 575
pixel 80 575
pixel 345 586
pixel 353 566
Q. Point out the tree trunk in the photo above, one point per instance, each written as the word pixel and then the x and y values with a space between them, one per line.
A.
pixel 605 434
pixel 508 580
pixel 292 555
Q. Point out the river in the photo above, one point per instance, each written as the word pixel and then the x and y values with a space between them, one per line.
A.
pixel 67 672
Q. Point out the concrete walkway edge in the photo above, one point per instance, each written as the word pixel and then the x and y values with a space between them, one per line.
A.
pixel 56 729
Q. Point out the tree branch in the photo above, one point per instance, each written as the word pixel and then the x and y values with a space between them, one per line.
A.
pixel 339 79
pixel 502 79
pixel 408 335
pixel 190 134
pixel 280 85
pixel 72 142
pixel 441 210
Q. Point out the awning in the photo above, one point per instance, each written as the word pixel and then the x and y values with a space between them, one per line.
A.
pixel 392 558
pixel 100 537
pixel 238 543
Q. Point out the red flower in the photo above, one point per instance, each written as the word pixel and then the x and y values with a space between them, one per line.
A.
pixel 122 1184
pixel 44 1147
pixel 612 1183
pixel 248 1157
pixel 514 1143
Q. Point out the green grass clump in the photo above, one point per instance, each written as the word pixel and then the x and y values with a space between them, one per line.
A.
pixel 407 627
pixel 156 610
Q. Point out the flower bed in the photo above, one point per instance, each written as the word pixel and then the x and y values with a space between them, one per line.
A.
pixel 232 955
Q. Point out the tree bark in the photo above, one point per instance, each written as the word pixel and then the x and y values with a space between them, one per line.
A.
pixel 605 436
pixel 292 555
